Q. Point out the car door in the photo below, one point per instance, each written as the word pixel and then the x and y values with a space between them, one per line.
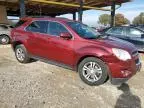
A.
pixel 60 50
pixel 118 32
pixel 135 36
pixel 37 38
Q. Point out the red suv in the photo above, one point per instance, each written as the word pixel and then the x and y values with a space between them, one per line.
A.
pixel 73 45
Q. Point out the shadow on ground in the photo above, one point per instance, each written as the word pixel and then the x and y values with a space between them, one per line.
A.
pixel 127 99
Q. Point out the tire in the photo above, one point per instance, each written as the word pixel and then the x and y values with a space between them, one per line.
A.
pixel 4 39
pixel 21 54
pixel 93 71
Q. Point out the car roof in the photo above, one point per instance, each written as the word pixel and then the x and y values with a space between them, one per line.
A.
pixel 126 27
pixel 45 18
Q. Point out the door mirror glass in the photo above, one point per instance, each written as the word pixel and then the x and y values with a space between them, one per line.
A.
pixel 65 35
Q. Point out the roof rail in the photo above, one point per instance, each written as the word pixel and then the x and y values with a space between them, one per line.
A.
pixel 39 16
pixel 62 18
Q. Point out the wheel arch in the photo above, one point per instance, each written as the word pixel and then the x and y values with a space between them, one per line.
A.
pixel 14 44
pixel 84 57
pixel 5 35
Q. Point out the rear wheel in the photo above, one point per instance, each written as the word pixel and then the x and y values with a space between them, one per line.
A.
pixel 4 39
pixel 21 54
pixel 93 71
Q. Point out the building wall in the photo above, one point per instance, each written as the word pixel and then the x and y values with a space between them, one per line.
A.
pixel 3 15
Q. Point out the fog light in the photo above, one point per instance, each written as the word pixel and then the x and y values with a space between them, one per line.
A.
pixel 125 73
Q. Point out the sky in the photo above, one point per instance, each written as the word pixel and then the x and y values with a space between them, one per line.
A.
pixel 130 10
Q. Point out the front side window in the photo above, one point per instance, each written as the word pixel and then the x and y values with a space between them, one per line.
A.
pixel 132 32
pixel 56 29
pixel 38 26
pixel 83 30
pixel 116 30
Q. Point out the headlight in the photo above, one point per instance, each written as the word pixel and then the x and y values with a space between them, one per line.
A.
pixel 121 54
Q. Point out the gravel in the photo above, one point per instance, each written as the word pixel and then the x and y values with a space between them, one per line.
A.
pixel 41 85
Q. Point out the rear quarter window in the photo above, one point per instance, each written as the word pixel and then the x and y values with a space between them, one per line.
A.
pixel 38 26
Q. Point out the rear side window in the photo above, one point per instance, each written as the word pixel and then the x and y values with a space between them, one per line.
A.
pixel 56 28
pixel 116 30
pixel 21 22
pixel 38 26
pixel 132 32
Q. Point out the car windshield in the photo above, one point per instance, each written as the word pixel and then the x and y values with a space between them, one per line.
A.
pixel 84 31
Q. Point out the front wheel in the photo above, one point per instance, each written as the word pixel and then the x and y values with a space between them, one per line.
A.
pixel 93 71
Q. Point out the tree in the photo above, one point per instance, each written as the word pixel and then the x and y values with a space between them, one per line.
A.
pixel 139 19
pixel 127 21
pixel 121 20
pixel 104 19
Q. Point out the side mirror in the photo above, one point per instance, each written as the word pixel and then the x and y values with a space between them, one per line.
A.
pixel 66 35
pixel 142 35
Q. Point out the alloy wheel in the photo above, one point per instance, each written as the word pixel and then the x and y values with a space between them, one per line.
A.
pixel 92 71
pixel 20 54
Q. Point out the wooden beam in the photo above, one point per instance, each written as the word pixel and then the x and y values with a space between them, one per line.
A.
pixel 113 14
pixel 68 5
pixel 74 16
pixel 22 8
pixel 80 13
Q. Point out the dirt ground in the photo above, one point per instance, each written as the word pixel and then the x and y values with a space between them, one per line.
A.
pixel 40 85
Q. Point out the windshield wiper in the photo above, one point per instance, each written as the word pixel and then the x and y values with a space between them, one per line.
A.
pixel 102 36
pixel 98 36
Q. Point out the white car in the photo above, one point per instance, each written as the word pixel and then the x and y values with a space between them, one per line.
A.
pixel 5 34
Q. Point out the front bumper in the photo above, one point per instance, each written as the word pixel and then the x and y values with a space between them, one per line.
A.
pixel 120 72
pixel 116 81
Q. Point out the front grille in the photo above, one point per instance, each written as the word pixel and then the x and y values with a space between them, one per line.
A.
pixel 137 61
pixel 135 55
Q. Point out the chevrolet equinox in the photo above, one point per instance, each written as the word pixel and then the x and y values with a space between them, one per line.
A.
pixel 73 45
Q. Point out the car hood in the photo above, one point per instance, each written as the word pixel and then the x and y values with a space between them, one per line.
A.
pixel 112 42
